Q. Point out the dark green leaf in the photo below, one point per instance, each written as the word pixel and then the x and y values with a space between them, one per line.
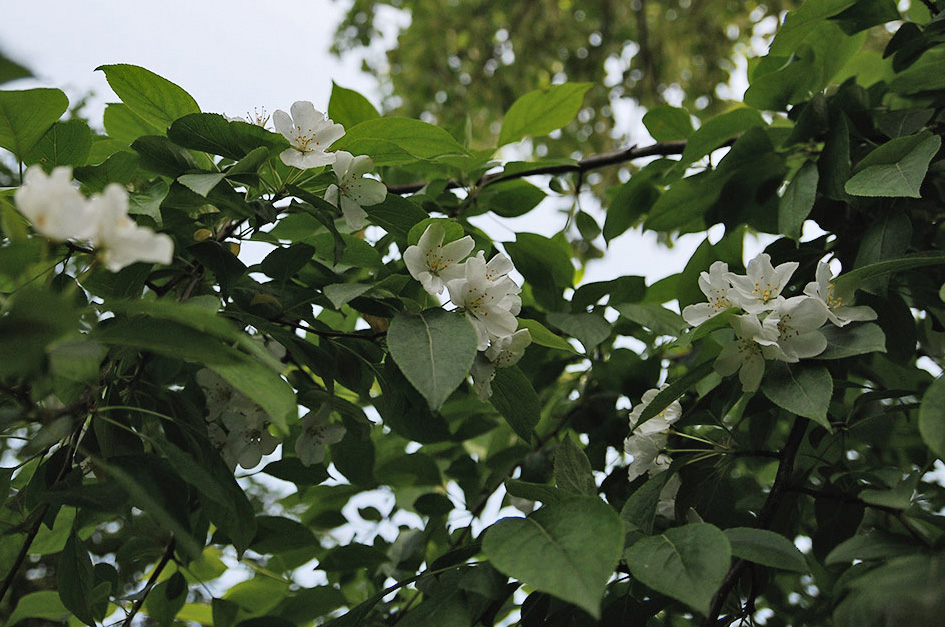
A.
pixel 798 200
pixel 515 398
pixel 573 470
pixel 897 168
pixel 932 417
pixel 639 511
pixel 657 319
pixel 391 141
pixel 434 350
pixel 589 329
pixel 687 563
pixel 857 339
pixel 212 133
pixel 543 337
pixel 74 575
pixel 162 156
pixel 766 548
pixel 568 549
pixel 801 390
pixel 352 557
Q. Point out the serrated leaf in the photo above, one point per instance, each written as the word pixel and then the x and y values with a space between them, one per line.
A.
pixel 152 97
pixel 542 111
pixel 573 470
pixel 515 398
pixel 568 549
pixel 65 143
pixel 766 548
pixel 686 563
pixel 434 349
pixel 801 390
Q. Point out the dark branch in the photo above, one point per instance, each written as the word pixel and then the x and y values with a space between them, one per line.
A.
pixel 587 164
pixel 165 559
pixel 778 489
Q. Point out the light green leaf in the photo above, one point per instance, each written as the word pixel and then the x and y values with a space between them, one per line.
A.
pixel 568 549
pixel 390 141
pixel 766 548
pixel 77 361
pixel 932 417
pixel 514 397
pixel 857 339
pixel 201 184
pixel 65 143
pixel 155 99
pixel 573 470
pixel 542 336
pixel 124 125
pixel 434 350
pixel 348 107
pixel 25 116
pixel 798 200
pixel 897 168
pixel 686 563
pixel 666 123
pixel 44 604
pixel 542 111
pixel 801 390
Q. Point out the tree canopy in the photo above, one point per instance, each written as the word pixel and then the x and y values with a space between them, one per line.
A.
pixel 393 417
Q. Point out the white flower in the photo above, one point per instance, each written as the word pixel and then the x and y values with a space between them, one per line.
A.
pixel 121 240
pixel 795 324
pixel 353 190
pixel 659 422
pixel 317 433
pixel 247 440
pixel 482 372
pixel 53 204
pixel 645 449
pixel 716 286
pixel 744 355
pixel 490 306
pixel 433 263
pixel 761 289
pixel 310 133
pixel 837 313
pixel 667 503
pixel 261 118
pixel 647 440
pixel 505 351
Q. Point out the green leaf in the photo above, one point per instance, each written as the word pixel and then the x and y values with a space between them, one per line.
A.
pixel 656 318
pixel 166 599
pixel 875 545
pixel 25 116
pixel 534 491
pixel 676 389
pixel 153 98
pixel 212 133
pixel 201 184
pixel 352 557
pixel 65 143
pixel 36 319
pixel 716 131
pixel 510 199
pixel 545 263
pixel 666 123
pixel 590 329
pixel 801 390
pixel 434 350
pixel 392 141
pixel 846 284
pixel 686 563
pixel 573 470
pixel 75 579
pixel 568 549
pixel 799 24
pixel 349 108
pixel 542 336
pixel 766 548
pixel 396 215
pixel 897 168
pixel 77 361
pixel 798 200
pixel 44 604
pixel 932 417
pixel 514 397
pixel 634 198
pixel 857 339
pixel 541 111
pixel 124 125
pixel 162 156
pixel 639 510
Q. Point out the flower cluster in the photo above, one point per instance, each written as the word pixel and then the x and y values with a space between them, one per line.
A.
pixel 310 133
pixel 646 446
pixel 771 326
pixel 482 290
pixel 59 211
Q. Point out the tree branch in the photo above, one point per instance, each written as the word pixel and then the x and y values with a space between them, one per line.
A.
pixel 778 489
pixel 587 164
pixel 165 559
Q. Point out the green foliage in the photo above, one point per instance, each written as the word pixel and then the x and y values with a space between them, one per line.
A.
pixel 370 403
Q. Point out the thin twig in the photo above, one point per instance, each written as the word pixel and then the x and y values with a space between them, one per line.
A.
pixel 165 559
pixel 587 164
pixel 765 518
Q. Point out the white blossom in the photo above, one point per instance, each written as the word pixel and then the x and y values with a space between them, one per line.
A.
pixel 353 190
pixel 502 352
pixel 761 289
pixel 491 306
pixel 743 355
pixel 316 434
pixel 432 262
pixel 247 439
pixel 647 440
pixel 52 203
pixel 838 313
pixel 309 132
pixel 716 285
pixel 795 323
pixel 119 239
pixel 645 449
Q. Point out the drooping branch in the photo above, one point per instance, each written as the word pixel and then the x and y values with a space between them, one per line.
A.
pixel 585 165
pixel 779 488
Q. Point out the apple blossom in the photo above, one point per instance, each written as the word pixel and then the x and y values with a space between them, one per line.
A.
pixel 316 434
pixel 716 285
pixel 432 262
pixel 795 322
pixel 120 240
pixel 490 306
pixel 54 206
pixel 743 355
pixel 310 133
pixel 353 190
pixel 761 289
pixel 838 313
